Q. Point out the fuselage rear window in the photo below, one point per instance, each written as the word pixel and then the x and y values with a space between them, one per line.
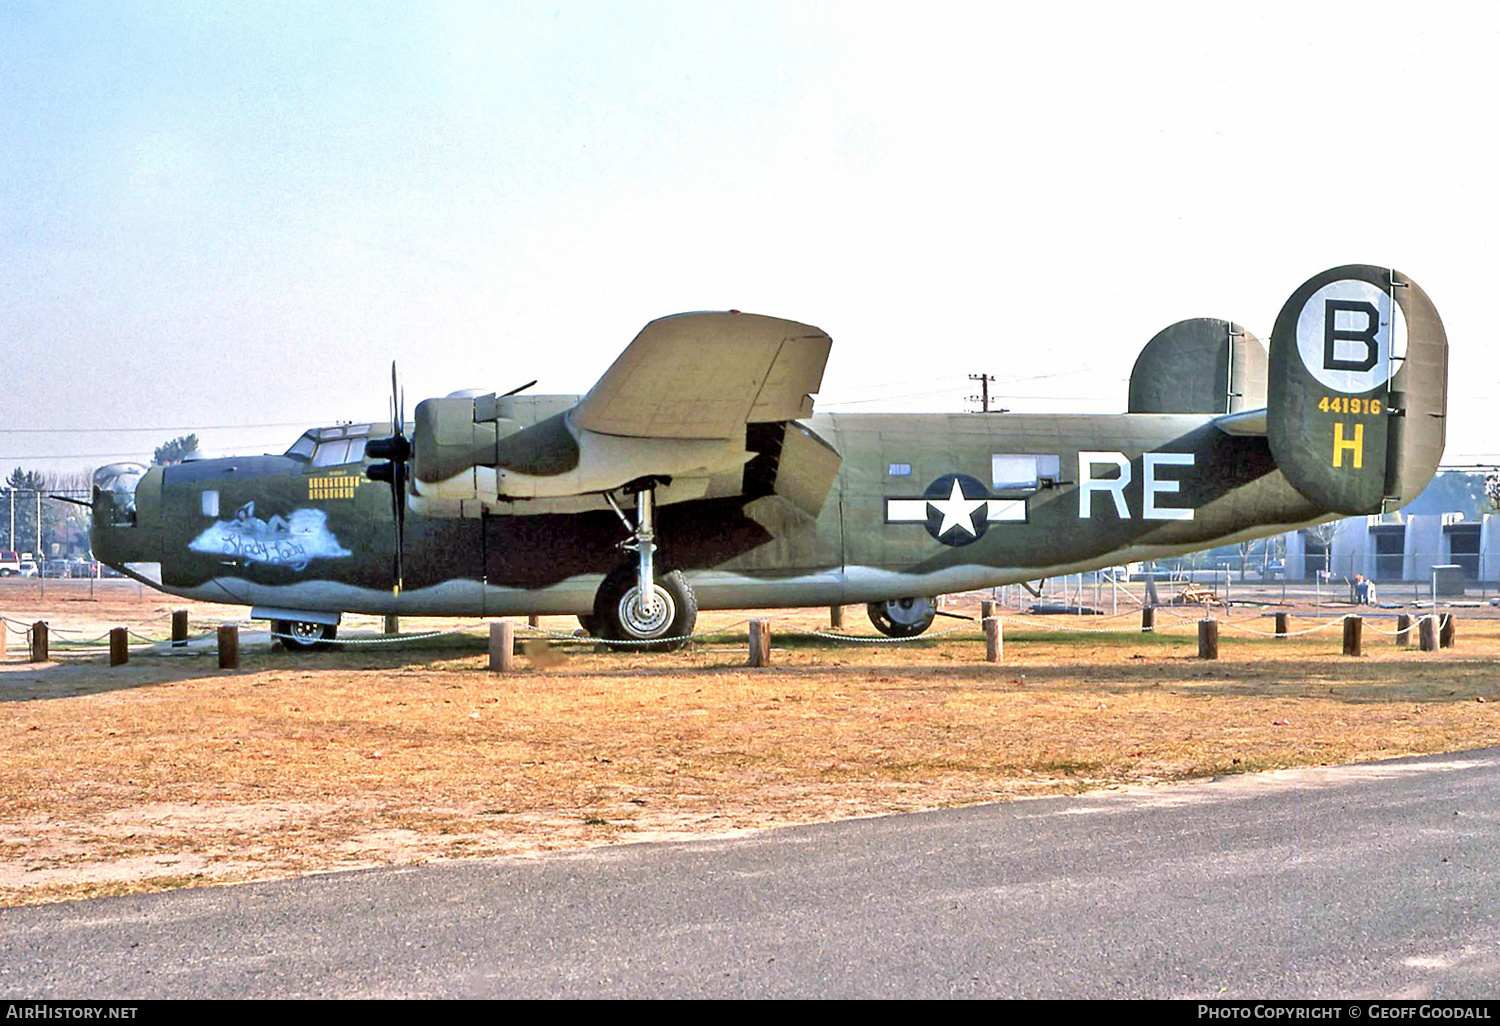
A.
pixel 1024 472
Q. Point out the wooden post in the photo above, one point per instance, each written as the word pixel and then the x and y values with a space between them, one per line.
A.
pixel 1427 639
pixel 179 628
pixel 533 620
pixel 994 643
pixel 1353 632
pixel 760 642
pixel 1281 630
pixel 1403 631
pixel 1148 619
pixel 2 637
pixel 1446 632
pixel 119 646
pixel 392 624
pixel 836 617
pixel 1208 639
pixel 39 642
pixel 229 647
pixel 502 646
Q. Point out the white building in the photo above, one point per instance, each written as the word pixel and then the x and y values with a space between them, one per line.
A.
pixel 1397 547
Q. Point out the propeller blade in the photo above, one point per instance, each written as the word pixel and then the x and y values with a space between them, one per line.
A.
pixel 395 449
pixel 521 389
pixel 398 496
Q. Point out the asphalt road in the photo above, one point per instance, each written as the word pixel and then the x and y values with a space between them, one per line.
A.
pixel 1379 880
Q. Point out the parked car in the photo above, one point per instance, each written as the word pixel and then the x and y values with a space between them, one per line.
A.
pixel 16 564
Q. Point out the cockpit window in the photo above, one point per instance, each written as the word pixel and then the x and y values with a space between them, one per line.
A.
pixel 302 448
pixel 335 451
pixel 332 446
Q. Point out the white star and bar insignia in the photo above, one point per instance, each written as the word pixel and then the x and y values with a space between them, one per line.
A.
pixel 956 510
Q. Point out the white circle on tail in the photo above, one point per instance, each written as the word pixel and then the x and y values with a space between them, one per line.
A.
pixel 1345 335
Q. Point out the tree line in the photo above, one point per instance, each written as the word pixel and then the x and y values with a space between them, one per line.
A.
pixel 31 522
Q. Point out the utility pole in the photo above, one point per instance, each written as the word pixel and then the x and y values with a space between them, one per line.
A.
pixel 983 398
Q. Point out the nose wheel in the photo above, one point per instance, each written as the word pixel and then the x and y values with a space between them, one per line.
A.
pixel 903 617
pixel 303 637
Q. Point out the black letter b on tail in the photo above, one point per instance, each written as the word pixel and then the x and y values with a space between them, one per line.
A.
pixel 1332 334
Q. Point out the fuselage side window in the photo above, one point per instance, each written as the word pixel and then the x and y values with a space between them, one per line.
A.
pixel 1016 472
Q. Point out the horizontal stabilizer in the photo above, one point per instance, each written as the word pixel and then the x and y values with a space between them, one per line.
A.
pixel 1246 424
pixel 707 375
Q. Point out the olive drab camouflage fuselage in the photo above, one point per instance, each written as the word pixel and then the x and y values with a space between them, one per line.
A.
pixel 520 504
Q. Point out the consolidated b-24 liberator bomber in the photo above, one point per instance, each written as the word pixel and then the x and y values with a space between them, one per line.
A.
pixel 696 475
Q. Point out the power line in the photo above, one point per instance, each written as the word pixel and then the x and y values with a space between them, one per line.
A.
pixel 88 455
pixel 887 398
pixel 143 430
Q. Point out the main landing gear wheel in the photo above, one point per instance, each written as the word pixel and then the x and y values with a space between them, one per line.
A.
pixel 903 617
pixel 620 616
pixel 302 636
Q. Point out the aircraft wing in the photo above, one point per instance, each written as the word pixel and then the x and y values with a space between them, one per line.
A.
pixel 705 376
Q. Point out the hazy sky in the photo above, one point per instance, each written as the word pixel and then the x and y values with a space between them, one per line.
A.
pixel 238 214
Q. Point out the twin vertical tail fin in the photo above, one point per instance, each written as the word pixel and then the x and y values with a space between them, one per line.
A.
pixel 1356 400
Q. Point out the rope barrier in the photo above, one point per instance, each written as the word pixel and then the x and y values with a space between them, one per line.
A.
pixel 1069 627
pixel 627 642
pixel 1412 627
pixel 387 640
pixel 870 639
pixel 1289 634
pixel 706 636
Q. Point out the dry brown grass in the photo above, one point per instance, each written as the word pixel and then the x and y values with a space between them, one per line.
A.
pixel 171 773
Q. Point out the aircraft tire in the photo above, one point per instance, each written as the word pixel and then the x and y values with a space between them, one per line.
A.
pixel 304 637
pixel 903 617
pixel 590 623
pixel 618 596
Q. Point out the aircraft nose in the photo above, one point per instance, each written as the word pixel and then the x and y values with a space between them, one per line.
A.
pixel 118 536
